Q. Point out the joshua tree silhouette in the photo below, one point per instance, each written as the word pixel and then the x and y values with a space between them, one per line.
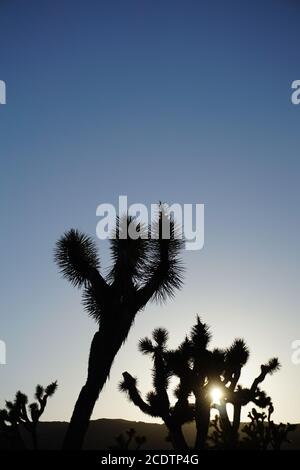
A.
pixel 19 413
pixel 262 433
pixel 158 403
pixel 239 396
pixel 126 442
pixel 199 370
pixel 144 268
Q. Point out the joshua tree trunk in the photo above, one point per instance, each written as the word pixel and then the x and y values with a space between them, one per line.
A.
pixel 15 439
pixel 236 424
pixel 202 418
pixel 230 431
pixel 34 439
pixel 105 345
pixel 177 439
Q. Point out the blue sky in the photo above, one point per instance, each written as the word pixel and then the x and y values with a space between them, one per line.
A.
pixel 184 102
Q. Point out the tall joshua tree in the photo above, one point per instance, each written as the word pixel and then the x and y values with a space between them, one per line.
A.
pixel 143 268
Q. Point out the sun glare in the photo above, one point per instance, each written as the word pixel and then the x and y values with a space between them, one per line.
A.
pixel 216 395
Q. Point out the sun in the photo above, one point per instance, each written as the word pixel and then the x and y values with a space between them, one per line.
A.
pixel 216 394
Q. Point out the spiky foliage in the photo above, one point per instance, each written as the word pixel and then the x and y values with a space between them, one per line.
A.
pixel 164 270
pixel 143 269
pixel 272 366
pixel 160 336
pixel 77 258
pixel 198 370
pixel 237 354
pixel 157 402
pixel 146 346
pixel 263 434
pixel 19 413
pixel 200 335
pixel 128 247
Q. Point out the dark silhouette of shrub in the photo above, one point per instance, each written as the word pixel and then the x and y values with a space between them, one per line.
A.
pixel 126 442
pixel 143 269
pixel 19 413
pixel 263 434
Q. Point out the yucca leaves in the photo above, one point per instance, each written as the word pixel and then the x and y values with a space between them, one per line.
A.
pixel 160 336
pixel 128 248
pixel 200 336
pixel 142 269
pixel 146 346
pixel 76 257
pixel 164 272
pixel 51 389
pixel 271 366
pixel 237 354
pixel 39 392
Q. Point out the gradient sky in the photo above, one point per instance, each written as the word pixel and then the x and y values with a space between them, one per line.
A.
pixel 181 101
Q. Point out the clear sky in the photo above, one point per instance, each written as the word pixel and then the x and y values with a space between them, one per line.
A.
pixel 181 101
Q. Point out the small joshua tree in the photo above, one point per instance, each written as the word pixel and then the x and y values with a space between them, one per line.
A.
pixel 126 442
pixel 238 396
pixel 19 413
pixel 262 433
pixel 199 371
pixel 9 424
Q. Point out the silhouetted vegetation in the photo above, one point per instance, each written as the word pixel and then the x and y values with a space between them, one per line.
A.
pixel 157 403
pixel 18 413
pixel 200 371
pixel 129 441
pixel 146 268
pixel 143 269
pixel 262 433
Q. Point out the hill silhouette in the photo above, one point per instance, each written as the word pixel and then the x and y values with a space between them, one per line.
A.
pixel 102 433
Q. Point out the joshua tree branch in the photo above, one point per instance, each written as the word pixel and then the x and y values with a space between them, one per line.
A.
pixel 129 385
pixel 266 369
pixel 235 378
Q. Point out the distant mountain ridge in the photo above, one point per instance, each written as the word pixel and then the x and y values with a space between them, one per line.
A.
pixel 102 433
